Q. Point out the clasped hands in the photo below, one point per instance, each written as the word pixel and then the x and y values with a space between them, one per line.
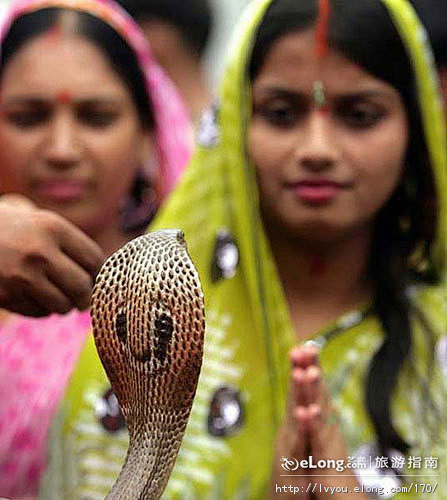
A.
pixel 310 429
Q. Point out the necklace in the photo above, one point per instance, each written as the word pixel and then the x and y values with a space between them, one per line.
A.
pixel 342 324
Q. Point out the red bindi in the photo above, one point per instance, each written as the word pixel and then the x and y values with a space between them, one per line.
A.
pixel 324 110
pixel 64 97
pixel 54 34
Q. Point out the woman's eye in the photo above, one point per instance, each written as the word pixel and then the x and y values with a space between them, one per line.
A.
pixel 98 119
pixel 280 115
pixel 361 116
pixel 27 118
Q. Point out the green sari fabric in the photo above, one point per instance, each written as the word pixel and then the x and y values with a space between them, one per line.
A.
pixel 249 330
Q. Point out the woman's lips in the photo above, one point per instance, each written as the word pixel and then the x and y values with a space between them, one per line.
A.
pixel 316 192
pixel 62 190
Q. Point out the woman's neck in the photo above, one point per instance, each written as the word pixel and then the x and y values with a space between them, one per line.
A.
pixel 322 282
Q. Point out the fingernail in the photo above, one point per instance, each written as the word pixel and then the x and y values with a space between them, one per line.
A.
pixel 313 374
pixel 298 375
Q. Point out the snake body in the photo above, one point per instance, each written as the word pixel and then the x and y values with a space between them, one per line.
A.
pixel 148 323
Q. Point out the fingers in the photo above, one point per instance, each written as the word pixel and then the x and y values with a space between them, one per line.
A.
pixel 313 385
pixel 309 408
pixel 299 389
pixel 293 439
pixel 81 249
pixel 46 296
pixel 34 295
pixel 309 387
pixel 76 283
pixel 22 303
pixel 47 265
pixel 305 406
pixel 314 413
pixel 306 372
pixel 305 355
pixel 76 264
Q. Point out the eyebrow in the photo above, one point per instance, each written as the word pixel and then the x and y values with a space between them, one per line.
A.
pixel 43 101
pixel 301 96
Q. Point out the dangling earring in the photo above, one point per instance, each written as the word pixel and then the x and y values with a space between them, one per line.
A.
pixel 142 202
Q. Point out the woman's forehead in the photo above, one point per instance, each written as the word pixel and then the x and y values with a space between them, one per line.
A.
pixel 49 64
pixel 294 62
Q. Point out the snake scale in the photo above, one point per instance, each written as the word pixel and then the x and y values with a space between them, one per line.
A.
pixel 148 323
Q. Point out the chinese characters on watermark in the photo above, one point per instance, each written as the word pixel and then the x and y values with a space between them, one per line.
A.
pixel 356 462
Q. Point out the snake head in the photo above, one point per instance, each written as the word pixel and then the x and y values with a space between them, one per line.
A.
pixel 148 322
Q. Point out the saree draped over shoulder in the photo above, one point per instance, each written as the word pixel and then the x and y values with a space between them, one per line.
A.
pixel 227 451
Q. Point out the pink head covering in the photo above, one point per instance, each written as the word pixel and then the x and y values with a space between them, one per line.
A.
pixel 172 122
pixel 37 356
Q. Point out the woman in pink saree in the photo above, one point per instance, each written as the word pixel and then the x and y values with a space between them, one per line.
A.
pixel 100 143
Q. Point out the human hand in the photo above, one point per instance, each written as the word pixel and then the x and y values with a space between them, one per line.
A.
pixel 316 416
pixel 47 265
pixel 293 437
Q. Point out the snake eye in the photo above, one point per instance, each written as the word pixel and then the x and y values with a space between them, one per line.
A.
pixel 121 326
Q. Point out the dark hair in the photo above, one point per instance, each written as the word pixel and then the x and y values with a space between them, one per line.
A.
pixel 433 14
pixel 193 18
pixel 120 55
pixel 364 32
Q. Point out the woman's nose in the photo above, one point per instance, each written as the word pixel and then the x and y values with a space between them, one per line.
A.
pixel 317 147
pixel 63 148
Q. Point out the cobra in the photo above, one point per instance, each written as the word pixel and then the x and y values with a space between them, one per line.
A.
pixel 148 323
